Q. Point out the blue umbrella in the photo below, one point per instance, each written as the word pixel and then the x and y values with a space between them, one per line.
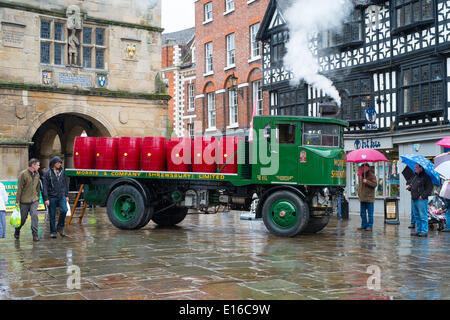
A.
pixel 411 159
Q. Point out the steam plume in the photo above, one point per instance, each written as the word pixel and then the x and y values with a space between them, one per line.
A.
pixel 305 19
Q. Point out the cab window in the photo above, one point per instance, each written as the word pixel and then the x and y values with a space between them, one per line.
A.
pixel 286 133
pixel 321 134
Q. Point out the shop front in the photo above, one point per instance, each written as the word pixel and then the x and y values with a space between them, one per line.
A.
pixel 387 173
pixel 391 183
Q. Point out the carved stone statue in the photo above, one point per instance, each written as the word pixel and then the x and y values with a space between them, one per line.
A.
pixel 74 17
pixel 73 48
pixel 73 24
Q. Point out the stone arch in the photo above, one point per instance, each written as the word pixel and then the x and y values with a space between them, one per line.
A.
pixel 105 126
pixel 65 122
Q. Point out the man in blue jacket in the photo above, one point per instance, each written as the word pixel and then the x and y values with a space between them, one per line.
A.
pixel 56 194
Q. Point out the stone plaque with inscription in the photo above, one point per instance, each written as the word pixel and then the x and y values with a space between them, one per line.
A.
pixel 74 80
pixel 13 34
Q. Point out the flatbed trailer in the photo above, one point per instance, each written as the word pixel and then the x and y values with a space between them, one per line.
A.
pixel 295 165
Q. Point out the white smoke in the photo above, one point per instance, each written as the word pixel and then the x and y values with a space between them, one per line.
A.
pixel 306 19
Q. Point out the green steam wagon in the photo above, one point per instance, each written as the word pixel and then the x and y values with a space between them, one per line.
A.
pixel 295 165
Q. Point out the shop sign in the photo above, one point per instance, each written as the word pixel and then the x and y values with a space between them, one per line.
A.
pixel 11 190
pixel 368 143
pixel 371 118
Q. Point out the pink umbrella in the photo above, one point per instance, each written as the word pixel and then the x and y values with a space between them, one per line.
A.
pixel 365 155
pixel 444 142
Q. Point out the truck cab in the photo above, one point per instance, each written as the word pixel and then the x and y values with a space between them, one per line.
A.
pixel 298 151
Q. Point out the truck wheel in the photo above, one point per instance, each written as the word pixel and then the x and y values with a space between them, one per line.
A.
pixel 285 214
pixel 126 207
pixel 170 217
pixel 146 218
pixel 316 224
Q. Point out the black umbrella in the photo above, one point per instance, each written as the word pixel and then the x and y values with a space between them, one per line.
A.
pixel 408 173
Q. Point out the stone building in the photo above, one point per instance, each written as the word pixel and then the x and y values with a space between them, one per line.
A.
pixel 72 66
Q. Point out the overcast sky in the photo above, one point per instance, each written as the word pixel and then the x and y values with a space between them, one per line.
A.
pixel 177 15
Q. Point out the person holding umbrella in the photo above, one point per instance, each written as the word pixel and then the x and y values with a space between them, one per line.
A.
pixel 367 183
pixel 420 187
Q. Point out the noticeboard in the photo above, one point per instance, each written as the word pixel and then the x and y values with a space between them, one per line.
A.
pixel 11 189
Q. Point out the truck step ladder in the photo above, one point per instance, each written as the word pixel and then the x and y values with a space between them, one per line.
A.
pixel 75 205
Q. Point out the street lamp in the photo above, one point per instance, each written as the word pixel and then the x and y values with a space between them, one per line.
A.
pixel 233 82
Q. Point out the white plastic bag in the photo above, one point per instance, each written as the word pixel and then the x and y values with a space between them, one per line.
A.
pixel 15 219
pixel 69 212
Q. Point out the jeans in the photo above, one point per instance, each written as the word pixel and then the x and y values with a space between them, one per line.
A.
pixel 61 203
pixel 366 212
pixel 2 224
pixel 421 216
pixel 413 217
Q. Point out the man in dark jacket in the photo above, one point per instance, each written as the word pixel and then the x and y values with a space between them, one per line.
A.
pixel 421 188
pixel 56 194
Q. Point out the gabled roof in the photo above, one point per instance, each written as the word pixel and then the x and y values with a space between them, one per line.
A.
pixel 282 6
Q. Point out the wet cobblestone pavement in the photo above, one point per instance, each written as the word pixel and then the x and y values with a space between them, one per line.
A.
pixel 219 256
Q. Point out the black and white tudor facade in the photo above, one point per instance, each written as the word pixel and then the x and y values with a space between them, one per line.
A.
pixel 391 64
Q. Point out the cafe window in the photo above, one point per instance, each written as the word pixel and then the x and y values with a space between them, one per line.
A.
pixel 388 180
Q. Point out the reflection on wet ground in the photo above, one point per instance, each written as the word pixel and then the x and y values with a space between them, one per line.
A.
pixel 219 256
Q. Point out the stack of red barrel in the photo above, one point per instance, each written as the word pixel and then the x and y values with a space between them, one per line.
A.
pixel 201 154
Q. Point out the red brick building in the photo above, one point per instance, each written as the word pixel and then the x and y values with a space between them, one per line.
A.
pixel 178 71
pixel 228 66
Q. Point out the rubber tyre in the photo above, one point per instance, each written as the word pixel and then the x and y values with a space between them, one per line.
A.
pixel 316 224
pixel 296 218
pixel 146 218
pixel 170 217
pixel 126 207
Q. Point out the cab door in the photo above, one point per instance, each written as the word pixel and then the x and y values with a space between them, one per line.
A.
pixel 287 138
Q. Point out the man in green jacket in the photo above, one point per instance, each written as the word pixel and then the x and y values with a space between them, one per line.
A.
pixel 27 197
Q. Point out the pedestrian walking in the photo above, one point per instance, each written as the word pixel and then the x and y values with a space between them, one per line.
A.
pixel 3 202
pixel 56 194
pixel 366 193
pixel 27 197
pixel 420 187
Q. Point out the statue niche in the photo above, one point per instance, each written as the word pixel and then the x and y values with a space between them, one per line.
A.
pixel 74 26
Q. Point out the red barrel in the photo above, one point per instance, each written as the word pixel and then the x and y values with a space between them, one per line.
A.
pixel 153 154
pixel 178 154
pixel 106 153
pixel 228 158
pixel 204 154
pixel 129 153
pixel 83 153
